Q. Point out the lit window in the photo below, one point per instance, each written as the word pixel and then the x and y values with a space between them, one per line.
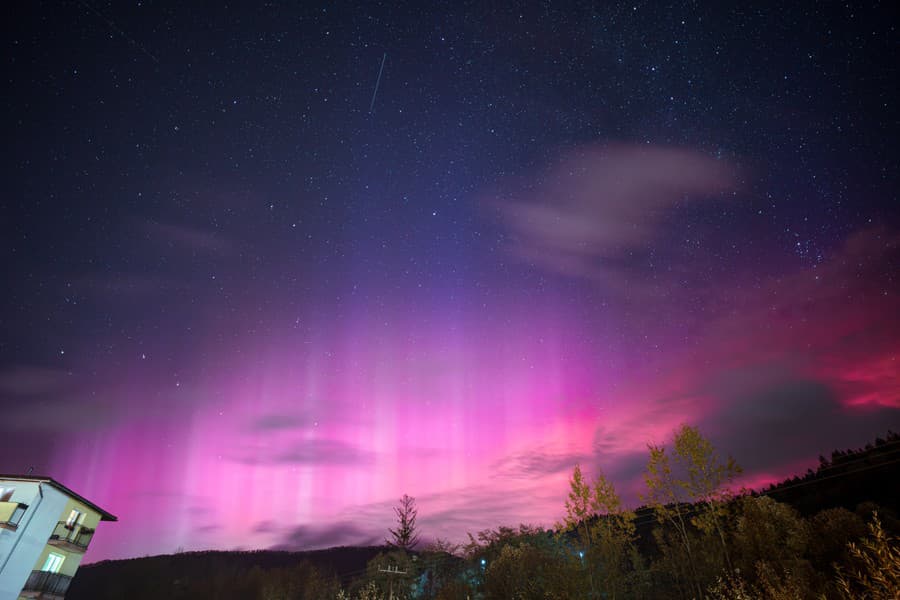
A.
pixel 6 494
pixel 53 563
pixel 74 518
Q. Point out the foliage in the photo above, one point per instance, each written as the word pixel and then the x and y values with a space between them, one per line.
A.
pixel 487 543
pixel 830 531
pixel 606 530
pixel 688 489
pixel 769 543
pixel 406 535
pixel 392 571
pixel 770 586
pixel 876 574
pixel 523 571
pixel 766 530
pixel 440 567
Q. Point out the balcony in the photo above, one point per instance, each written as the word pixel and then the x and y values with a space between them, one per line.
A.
pixel 10 514
pixel 46 585
pixel 71 537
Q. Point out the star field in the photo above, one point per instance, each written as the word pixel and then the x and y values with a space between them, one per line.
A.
pixel 549 236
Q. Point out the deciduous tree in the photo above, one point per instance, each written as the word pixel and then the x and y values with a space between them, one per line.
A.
pixel 595 511
pixel 689 487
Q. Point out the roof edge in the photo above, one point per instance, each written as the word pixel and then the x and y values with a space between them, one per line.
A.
pixel 104 515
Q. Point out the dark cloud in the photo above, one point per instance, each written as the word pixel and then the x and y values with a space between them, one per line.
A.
pixel 278 422
pixel 538 463
pixel 320 452
pixel 266 527
pixel 766 415
pixel 311 537
pixel 623 469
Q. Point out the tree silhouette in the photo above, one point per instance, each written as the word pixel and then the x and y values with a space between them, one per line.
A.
pixel 595 512
pixel 405 536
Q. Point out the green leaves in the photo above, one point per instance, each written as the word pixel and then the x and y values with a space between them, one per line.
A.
pixel 594 510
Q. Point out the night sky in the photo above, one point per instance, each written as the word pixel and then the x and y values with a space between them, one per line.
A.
pixel 256 291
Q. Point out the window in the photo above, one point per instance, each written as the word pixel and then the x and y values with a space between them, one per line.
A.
pixel 6 494
pixel 53 563
pixel 74 518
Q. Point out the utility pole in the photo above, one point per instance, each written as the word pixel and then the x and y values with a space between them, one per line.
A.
pixel 392 571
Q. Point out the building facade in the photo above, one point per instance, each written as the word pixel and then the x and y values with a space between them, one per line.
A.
pixel 45 529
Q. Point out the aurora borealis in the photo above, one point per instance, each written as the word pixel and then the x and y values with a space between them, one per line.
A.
pixel 244 311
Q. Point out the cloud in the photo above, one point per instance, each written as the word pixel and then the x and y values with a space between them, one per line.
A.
pixel 30 380
pixel 312 537
pixel 317 451
pixel 279 422
pixel 585 215
pixel 192 239
pixel 538 463
pixel 147 239
pixel 41 399
pixel 265 527
pixel 137 287
pixel 479 507
pixel 763 416
pixel 64 415
pixel 799 363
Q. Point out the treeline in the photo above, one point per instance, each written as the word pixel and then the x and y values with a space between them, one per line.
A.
pixel 225 575
pixel 811 537
pixel 848 478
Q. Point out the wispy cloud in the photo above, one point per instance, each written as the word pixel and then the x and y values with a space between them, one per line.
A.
pixel 183 238
pixel 31 380
pixel 279 422
pixel 538 463
pixel 585 215
pixel 316 451
pixel 42 399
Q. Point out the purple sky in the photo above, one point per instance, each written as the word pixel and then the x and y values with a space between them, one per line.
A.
pixel 247 312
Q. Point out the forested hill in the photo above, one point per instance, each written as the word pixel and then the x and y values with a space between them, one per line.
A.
pixel 209 574
pixel 847 479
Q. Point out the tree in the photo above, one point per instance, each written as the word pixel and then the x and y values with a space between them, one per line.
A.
pixel 532 571
pixel 693 474
pixel 441 567
pixel 876 574
pixel 830 532
pixel 594 510
pixel 406 535
pixel 770 540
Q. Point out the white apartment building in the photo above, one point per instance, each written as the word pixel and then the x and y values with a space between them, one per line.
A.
pixel 45 529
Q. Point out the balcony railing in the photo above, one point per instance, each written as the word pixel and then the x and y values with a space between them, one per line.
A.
pixel 10 514
pixel 71 537
pixel 46 584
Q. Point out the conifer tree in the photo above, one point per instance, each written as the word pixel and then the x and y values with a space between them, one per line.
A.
pixel 406 536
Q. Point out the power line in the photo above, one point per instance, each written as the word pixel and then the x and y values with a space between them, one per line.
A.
pixel 394 571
